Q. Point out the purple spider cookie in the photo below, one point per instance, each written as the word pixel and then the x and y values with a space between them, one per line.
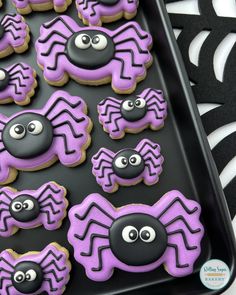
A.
pixel 134 114
pixel 32 208
pixel 93 55
pixel 14 35
pixel 96 12
pixel 128 166
pixel 35 272
pixel 136 238
pixel 17 83
pixel 35 139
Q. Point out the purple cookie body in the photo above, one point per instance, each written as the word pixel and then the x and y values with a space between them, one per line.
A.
pixel 134 114
pixel 93 55
pixel 128 166
pixel 35 272
pixel 17 83
pixel 26 6
pixel 94 12
pixel 136 238
pixel 31 208
pixel 35 139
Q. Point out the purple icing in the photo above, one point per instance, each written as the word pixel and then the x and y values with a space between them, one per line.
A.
pixel 21 4
pixel 48 270
pixel 116 123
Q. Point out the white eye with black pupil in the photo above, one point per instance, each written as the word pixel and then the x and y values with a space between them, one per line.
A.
pixel 28 205
pixel 147 234
pixel 17 131
pixel 99 42
pixel 19 277
pixel 135 160
pixel 140 103
pixel 30 275
pixel 128 105
pixel 130 234
pixel 35 127
pixel 17 206
pixel 82 41
pixel 121 162
pixel 2 75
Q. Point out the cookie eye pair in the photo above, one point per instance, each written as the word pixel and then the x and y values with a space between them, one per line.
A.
pixel 130 234
pixel 26 205
pixel 18 131
pixel 84 41
pixel 129 105
pixel 122 162
pixel 21 277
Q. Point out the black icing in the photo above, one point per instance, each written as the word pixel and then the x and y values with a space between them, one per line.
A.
pixel 4 82
pixel 27 286
pixel 139 252
pixel 24 214
pixel 30 145
pixel 136 113
pixel 2 31
pixel 90 58
pixel 108 2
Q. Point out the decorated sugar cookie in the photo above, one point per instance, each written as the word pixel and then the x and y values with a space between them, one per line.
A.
pixel 14 35
pixel 136 238
pixel 93 55
pixel 45 272
pixel 133 114
pixel 128 166
pixel 35 139
pixel 96 12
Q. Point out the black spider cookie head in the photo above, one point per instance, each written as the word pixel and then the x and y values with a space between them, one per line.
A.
pixel 128 164
pixel 138 239
pixel 24 208
pixel 28 135
pixel 108 2
pixel 133 109
pixel 90 49
pixel 27 277
pixel 4 76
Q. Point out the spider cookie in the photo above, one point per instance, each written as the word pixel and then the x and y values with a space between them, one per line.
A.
pixel 17 84
pixel 136 238
pixel 45 272
pixel 14 35
pixel 32 208
pixel 96 12
pixel 27 6
pixel 128 166
pixel 93 55
pixel 35 139
pixel 133 114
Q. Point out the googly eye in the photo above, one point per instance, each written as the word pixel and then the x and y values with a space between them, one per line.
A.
pixel 17 131
pixel 99 42
pixel 147 234
pixel 121 162
pixel 128 105
pixel 30 275
pixel 82 41
pixel 19 277
pixel 17 206
pixel 35 127
pixel 28 205
pixel 135 160
pixel 2 75
pixel 140 103
pixel 130 234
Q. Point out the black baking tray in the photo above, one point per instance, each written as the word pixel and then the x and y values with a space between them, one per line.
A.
pixel 188 166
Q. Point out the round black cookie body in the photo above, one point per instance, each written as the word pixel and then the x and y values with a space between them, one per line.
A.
pixel 28 135
pixel 133 109
pixel 2 31
pixel 90 49
pixel 108 2
pixel 138 239
pixel 4 79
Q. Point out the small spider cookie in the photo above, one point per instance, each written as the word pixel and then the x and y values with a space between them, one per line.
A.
pixel 45 272
pixel 133 114
pixel 136 238
pixel 96 12
pixel 17 84
pixel 27 6
pixel 35 139
pixel 14 35
pixel 128 166
pixel 32 208
pixel 93 55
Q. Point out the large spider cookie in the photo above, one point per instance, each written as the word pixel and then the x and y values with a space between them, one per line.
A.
pixel 35 139
pixel 133 114
pixel 96 12
pixel 14 35
pixel 45 272
pixel 32 208
pixel 93 55
pixel 128 166
pixel 136 238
